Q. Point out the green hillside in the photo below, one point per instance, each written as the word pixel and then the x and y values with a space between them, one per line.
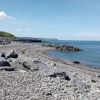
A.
pixel 7 35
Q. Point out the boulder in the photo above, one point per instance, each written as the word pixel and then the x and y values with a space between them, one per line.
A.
pixel 12 55
pixel 34 67
pixel 30 67
pixel 76 62
pixel 62 75
pixel 9 69
pixel 4 63
pixel 26 65
pixel 3 55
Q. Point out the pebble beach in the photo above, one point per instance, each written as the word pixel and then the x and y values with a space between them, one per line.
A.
pixel 36 76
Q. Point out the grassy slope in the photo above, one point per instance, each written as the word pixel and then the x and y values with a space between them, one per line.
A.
pixel 6 34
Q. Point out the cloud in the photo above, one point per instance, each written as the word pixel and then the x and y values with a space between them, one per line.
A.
pixel 22 29
pixel 4 15
pixel 19 29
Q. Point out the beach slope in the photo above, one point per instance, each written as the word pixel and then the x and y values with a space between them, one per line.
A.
pixel 35 76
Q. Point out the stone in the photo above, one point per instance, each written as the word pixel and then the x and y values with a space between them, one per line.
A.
pixel 12 55
pixel 4 63
pixel 26 65
pixel 2 55
pixel 98 76
pixel 76 62
pixel 94 81
pixel 34 68
pixel 62 75
pixel 48 94
pixel 36 62
pixel 9 69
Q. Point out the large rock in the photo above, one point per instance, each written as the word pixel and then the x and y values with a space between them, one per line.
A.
pixel 7 68
pixel 4 63
pixel 76 62
pixel 28 66
pixel 62 75
pixel 12 55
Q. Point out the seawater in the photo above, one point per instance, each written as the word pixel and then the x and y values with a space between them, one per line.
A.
pixel 90 56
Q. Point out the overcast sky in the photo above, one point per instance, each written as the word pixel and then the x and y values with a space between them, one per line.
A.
pixel 62 19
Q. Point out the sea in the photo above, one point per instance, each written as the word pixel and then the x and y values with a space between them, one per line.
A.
pixel 89 56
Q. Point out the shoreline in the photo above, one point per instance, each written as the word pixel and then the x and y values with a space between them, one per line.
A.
pixel 68 62
pixel 43 53
pixel 72 61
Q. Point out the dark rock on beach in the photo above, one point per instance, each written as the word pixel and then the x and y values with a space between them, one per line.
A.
pixel 48 94
pixel 76 62
pixel 36 62
pixel 12 55
pixel 4 63
pixel 2 55
pixel 26 65
pixel 9 69
pixel 62 75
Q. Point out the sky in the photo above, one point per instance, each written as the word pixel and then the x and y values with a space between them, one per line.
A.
pixel 61 19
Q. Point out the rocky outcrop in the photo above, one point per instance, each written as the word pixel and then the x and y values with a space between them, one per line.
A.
pixel 64 47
